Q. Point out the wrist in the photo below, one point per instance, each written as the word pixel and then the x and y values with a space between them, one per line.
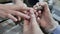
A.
pixel 52 28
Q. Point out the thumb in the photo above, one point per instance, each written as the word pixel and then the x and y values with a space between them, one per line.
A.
pixel 38 20
pixel 25 8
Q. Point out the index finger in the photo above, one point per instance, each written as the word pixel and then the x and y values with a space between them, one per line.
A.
pixel 17 13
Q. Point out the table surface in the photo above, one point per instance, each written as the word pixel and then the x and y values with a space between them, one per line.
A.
pixel 9 27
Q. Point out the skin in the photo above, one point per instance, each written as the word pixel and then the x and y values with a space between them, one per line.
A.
pixel 9 14
pixel 45 19
pixel 7 11
pixel 31 26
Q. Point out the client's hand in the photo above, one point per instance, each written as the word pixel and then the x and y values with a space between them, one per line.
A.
pixel 31 26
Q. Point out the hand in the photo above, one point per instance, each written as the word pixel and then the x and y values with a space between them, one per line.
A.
pixel 7 9
pixel 5 13
pixel 45 18
pixel 31 26
pixel 18 5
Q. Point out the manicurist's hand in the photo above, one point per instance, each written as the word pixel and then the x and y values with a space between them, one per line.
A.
pixel 15 9
pixel 4 13
pixel 45 18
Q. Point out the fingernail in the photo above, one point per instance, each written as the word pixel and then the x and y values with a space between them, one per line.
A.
pixel 39 12
pixel 15 20
pixel 28 17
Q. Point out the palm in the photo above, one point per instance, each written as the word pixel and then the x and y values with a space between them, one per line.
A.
pixel 45 19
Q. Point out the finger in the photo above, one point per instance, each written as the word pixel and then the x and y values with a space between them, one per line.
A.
pixel 45 5
pixel 32 14
pixel 38 20
pixel 33 17
pixel 25 8
pixel 35 27
pixel 19 18
pixel 22 15
pixel 36 14
pixel 39 13
pixel 12 17
pixel 21 5
pixel 25 12
pixel 35 7
pixel 17 13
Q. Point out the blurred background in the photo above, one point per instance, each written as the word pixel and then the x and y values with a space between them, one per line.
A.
pixel 7 26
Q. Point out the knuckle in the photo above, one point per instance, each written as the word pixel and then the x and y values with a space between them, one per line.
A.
pixel 8 15
pixel 33 16
pixel 16 13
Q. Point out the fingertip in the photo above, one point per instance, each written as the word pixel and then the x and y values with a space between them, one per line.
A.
pixel 15 19
pixel 19 18
pixel 27 8
pixel 12 17
pixel 28 17
pixel 39 12
pixel 38 19
pixel 31 11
